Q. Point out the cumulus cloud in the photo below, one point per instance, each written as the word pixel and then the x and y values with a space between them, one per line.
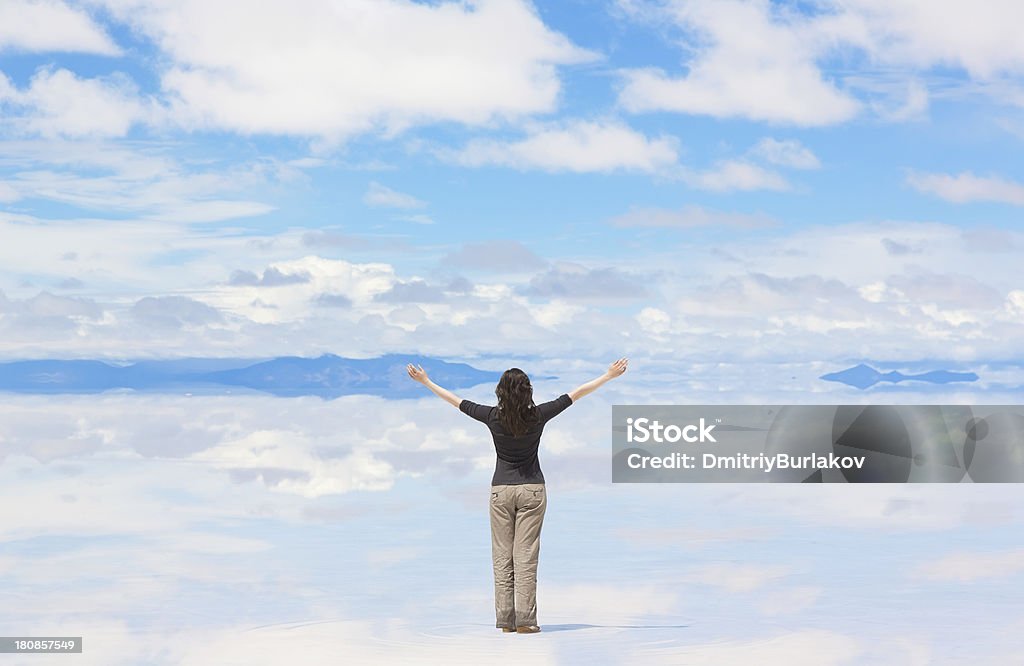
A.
pixel 756 169
pixel 272 277
pixel 736 174
pixel 768 62
pixel 966 187
pixel 810 293
pixel 576 146
pixel 51 25
pixel 333 300
pixel 935 34
pixel 771 77
pixel 414 291
pixel 57 103
pixel 786 152
pixel 332 70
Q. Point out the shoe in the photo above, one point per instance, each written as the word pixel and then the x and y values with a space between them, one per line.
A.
pixel 527 630
pixel 508 630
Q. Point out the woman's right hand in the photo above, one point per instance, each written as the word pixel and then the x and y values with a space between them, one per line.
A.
pixel 417 373
pixel 617 368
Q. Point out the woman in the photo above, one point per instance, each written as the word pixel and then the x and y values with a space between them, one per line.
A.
pixel 518 497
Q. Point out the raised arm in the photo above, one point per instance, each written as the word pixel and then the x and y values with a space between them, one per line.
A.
pixel 417 373
pixel 614 370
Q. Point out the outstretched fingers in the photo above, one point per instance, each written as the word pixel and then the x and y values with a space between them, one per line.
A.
pixel 416 372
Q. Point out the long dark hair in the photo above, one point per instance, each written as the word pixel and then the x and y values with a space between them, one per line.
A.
pixel 515 401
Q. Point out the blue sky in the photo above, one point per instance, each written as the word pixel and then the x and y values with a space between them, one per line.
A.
pixel 772 180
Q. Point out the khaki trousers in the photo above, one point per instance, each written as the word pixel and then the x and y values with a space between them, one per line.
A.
pixel 517 513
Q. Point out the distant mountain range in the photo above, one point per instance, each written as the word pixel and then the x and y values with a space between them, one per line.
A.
pixel 864 376
pixel 328 376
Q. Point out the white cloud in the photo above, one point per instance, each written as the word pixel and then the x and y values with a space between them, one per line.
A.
pixel 837 287
pixel 806 294
pixel 653 320
pixel 736 174
pixel 751 66
pixel 51 25
pixel 291 300
pixel 769 62
pixel 913 106
pixel 745 174
pixel 57 103
pixel 102 175
pixel 853 253
pixel 1014 305
pixel 307 474
pixel 150 257
pixel 379 195
pixel 966 187
pixel 787 152
pixel 331 70
pixel 982 39
pixel 577 145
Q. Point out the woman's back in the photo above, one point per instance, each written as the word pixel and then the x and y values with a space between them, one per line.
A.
pixel 517 455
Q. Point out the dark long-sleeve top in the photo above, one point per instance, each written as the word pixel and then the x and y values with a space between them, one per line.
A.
pixel 517 461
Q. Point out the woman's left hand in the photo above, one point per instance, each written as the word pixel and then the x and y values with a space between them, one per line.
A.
pixel 417 373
